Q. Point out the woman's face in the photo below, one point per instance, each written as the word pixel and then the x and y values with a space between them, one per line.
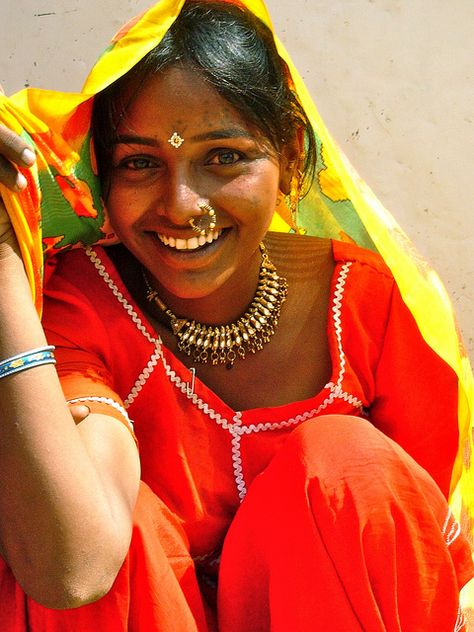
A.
pixel 155 187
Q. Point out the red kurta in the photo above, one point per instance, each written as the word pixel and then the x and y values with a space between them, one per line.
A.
pixel 340 528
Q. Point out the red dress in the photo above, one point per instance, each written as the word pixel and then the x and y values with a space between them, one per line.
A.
pixel 338 529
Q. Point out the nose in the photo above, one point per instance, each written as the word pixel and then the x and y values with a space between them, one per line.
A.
pixel 183 197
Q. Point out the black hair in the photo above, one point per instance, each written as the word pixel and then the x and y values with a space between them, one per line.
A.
pixel 235 53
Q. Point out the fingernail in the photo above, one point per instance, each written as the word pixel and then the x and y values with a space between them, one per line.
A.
pixel 28 157
pixel 20 182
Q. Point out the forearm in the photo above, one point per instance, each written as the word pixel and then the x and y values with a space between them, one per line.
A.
pixel 58 520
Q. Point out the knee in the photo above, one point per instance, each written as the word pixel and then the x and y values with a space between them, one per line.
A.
pixel 329 435
pixel 330 427
pixel 331 446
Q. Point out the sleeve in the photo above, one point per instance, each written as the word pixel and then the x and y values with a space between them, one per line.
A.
pixel 74 324
pixel 416 395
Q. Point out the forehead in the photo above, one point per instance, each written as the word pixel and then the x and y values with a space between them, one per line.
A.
pixel 179 100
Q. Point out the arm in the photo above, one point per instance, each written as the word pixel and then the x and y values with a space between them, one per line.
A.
pixel 66 493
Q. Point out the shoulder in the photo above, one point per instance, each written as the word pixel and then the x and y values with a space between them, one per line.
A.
pixel 86 276
pixel 315 253
pixel 75 266
pixel 367 280
pixel 82 296
pixel 298 254
pixel 342 251
pixel 93 321
pixel 367 285
pixel 345 252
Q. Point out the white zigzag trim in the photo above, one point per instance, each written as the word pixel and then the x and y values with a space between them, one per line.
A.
pixel 235 429
pixel 454 528
pixel 336 310
pixel 142 378
pixel 237 456
pixel 118 295
pixel 104 400
pixel 147 371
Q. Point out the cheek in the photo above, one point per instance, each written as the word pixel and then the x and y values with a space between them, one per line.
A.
pixel 257 195
pixel 263 198
pixel 123 206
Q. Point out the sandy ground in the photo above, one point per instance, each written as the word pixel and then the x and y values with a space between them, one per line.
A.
pixel 392 78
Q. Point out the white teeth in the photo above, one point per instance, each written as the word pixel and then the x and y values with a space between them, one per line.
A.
pixel 192 243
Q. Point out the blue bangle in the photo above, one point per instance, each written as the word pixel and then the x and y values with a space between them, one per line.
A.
pixel 27 360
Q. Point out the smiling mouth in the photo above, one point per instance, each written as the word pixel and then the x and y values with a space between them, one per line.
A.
pixel 192 243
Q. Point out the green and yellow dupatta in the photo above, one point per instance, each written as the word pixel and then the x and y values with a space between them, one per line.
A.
pixel 62 207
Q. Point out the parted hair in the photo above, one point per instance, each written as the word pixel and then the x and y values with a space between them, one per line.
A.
pixel 235 53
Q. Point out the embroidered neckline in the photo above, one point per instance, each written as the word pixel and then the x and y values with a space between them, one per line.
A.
pixel 333 388
pixel 235 427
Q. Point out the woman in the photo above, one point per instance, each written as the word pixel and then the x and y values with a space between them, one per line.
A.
pixel 292 477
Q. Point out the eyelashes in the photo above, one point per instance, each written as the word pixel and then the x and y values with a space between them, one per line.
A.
pixel 225 157
pixel 222 158
pixel 138 163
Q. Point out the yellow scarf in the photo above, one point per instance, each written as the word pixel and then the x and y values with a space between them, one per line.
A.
pixel 62 207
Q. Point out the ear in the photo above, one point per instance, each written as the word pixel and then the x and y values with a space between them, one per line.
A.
pixel 291 160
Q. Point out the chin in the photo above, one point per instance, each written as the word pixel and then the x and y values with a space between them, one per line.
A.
pixel 196 288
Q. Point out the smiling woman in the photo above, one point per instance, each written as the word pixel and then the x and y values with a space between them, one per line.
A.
pixel 291 474
pixel 155 191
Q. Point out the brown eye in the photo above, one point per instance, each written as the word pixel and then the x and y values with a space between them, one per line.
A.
pixel 138 163
pixel 226 157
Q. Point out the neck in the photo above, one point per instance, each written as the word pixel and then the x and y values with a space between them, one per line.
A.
pixel 224 305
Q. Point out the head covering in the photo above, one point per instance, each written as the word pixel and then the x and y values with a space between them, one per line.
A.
pixel 62 207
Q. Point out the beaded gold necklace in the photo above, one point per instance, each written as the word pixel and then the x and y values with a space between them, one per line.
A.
pixel 223 344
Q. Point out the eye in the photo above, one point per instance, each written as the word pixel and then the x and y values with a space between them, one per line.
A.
pixel 225 157
pixel 138 163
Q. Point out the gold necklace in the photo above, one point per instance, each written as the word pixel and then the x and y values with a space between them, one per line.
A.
pixel 223 344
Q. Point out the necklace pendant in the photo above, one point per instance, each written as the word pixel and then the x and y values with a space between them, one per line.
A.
pixel 177 324
pixel 224 344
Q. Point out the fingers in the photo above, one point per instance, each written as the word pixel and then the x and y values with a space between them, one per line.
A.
pixel 14 148
pixel 14 151
pixel 10 177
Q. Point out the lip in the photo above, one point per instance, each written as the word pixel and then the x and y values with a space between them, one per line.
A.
pixel 189 244
pixel 195 259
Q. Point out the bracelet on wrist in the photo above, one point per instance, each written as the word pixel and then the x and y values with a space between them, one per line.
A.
pixel 27 360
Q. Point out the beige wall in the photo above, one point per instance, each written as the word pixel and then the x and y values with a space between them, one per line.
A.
pixel 394 80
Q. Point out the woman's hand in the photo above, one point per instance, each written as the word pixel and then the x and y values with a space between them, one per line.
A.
pixel 14 152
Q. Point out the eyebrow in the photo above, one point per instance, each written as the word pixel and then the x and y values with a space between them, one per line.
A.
pixel 230 132
pixel 130 139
